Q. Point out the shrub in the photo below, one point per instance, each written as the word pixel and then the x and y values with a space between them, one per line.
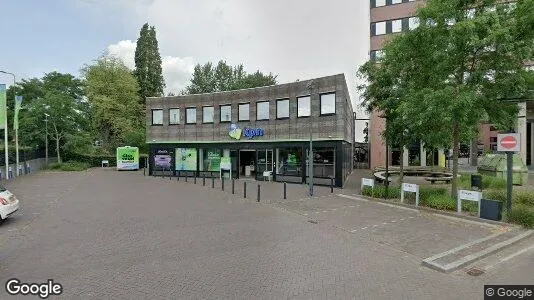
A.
pixel 524 197
pixel 522 215
pixel 379 191
pixel 497 195
pixel 491 182
pixel 446 202
pixel 69 166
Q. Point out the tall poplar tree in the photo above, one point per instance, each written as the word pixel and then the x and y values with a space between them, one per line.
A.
pixel 148 69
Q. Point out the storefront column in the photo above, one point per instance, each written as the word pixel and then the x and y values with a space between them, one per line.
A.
pixel 522 129
pixel 423 154
pixel 406 157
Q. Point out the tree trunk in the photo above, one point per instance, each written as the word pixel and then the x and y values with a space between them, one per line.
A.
pixel 474 152
pixel 455 152
pixel 401 172
pixel 56 133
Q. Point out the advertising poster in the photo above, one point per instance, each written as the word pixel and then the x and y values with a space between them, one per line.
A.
pixel 186 159
pixel 214 161
pixel 226 163
pixel 127 158
pixel 163 159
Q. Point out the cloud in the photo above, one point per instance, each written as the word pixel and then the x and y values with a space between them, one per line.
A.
pixel 176 71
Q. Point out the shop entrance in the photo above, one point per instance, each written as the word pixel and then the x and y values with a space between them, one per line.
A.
pixel 247 160
pixel 265 163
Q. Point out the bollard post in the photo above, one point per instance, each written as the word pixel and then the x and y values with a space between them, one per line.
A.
pixel 178 175
pixel 212 181
pixel 203 179
pixel 186 176
pixel 222 183
pixel 170 174
pixel 244 189
pixel 233 186
pixel 144 171
pixel 331 185
pixel 195 180
pixel 285 190
pixel 258 193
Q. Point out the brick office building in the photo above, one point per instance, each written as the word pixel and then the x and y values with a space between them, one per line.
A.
pixel 259 129
pixel 390 17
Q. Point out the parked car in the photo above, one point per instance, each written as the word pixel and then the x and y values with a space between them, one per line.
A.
pixel 8 203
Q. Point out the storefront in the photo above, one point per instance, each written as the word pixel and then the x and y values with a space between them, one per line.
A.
pixel 255 130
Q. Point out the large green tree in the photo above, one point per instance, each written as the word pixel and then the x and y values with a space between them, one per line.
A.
pixel 460 67
pixel 112 92
pixel 222 77
pixel 148 70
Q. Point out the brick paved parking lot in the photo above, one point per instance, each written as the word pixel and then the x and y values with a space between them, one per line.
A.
pixel 104 234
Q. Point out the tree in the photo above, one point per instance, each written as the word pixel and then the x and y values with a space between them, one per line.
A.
pixel 208 79
pixel 459 68
pixel 112 92
pixel 61 97
pixel 148 70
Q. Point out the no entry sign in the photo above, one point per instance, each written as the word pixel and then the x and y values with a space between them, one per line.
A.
pixel 508 142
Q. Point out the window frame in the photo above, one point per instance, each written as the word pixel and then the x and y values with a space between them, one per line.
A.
pixel 321 104
pixel 268 110
pixel 152 116
pixel 220 113
pixel 309 98
pixel 179 115
pixel 213 116
pixel 288 108
pixel 186 115
pixel 239 114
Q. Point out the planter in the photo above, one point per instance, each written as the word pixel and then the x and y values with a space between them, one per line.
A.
pixel 490 210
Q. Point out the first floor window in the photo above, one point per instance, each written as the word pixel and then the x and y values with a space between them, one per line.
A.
pixel 244 112
pixel 262 110
pixel 207 114
pixel 282 109
pixel 191 115
pixel 226 113
pixel 174 116
pixel 328 104
pixel 303 106
pixel 157 117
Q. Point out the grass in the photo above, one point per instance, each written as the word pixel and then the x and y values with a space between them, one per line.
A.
pixel 69 166
pixel 522 214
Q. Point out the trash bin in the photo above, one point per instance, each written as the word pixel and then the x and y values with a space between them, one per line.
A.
pixel 476 181
pixel 490 209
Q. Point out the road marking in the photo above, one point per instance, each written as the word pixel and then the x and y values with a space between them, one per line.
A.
pixel 354 230
pixel 402 219
pixel 509 257
pixel 385 223
pixel 14 229
pixel 305 214
pixel 363 228
pixel 393 221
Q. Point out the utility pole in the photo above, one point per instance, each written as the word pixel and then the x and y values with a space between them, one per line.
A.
pixel 46 139
pixel 310 154
pixel 6 142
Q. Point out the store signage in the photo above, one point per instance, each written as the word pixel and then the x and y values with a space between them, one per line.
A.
pixel 236 132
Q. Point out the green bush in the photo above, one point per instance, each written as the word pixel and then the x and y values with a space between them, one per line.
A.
pixel 522 215
pixel 379 191
pixel 497 195
pixel 91 160
pixel 442 202
pixel 69 166
pixel 524 197
pixel 491 182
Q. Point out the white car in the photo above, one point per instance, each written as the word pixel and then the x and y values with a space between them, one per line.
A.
pixel 8 203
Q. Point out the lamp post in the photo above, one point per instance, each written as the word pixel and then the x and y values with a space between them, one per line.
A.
pixel 5 132
pixel 46 139
pixel 310 154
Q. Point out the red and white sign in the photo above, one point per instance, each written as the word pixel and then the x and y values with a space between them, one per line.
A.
pixel 508 142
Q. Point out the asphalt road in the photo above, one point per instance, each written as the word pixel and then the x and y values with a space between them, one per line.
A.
pixel 104 234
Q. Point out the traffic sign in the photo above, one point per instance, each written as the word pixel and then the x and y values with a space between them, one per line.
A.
pixel 508 142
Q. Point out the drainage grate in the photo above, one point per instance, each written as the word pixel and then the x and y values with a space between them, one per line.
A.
pixel 475 272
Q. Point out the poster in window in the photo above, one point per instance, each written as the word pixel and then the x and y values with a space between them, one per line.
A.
pixel 214 161
pixel 186 159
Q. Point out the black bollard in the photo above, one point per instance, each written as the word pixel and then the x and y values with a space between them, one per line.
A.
pixel 285 190
pixel 331 185
pixel 203 179
pixel 170 174
pixel 233 186
pixel 222 183
pixel 186 176
pixel 195 180
pixel 178 176
pixel 144 171
pixel 244 189
pixel 258 193
pixel 212 181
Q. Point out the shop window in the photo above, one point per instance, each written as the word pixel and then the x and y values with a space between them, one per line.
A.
pixel 186 159
pixel 324 162
pixel 210 160
pixel 303 106
pixel 328 104
pixel 288 161
pixel 262 110
pixel 157 117
pixel 174 116
pixel 244 112
pixel 282 109
pixel 207 114
pixel 191 115
pixel 226 113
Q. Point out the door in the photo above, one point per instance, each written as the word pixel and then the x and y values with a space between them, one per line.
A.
pixel 265 162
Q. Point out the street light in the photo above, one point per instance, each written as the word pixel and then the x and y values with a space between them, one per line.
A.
pixel 5 132
pixel 46 138
pixel 310 154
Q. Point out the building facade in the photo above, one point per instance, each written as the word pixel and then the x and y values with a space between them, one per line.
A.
pixel 256 130
pixel 390 17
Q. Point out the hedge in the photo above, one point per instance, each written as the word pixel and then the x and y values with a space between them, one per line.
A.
pixel 96 160
pixel 522 215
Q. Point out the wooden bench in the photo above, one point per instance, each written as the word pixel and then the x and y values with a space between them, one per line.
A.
pixel 432 180
pixel 381 176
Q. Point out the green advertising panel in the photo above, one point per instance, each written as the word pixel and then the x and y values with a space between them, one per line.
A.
pixel 214 161
pixel 226 163
pixel 2 106
pixel 127 158
pixel 186 159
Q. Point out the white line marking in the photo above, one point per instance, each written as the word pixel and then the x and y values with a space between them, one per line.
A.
pixel 363 228
pixel 393 221
pixel 402 219
pixel 354 230
pixel 412 217
pixel 385 223
pixel 14 229
pixel 510 257
pixel 305 214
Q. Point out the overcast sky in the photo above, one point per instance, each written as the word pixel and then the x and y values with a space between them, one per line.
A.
pixel 295 39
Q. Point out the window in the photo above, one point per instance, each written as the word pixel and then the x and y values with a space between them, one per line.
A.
pixel 244 112
pixel 210 160
pixel 157 117
pixel 413 23
pixel 396 26
pixel 379 3
pixel 303 107
pixel 396 1
pixel 207 114
pixel 226 113
pixel 328 104
pixel 376 54
pixel 378 28
pixel 191 115
pixel 282 109
pixel 324 160
pixel 174 116
pixel 289 161
pixel 262 110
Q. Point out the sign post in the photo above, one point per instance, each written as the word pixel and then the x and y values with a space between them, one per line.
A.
pixel 509 143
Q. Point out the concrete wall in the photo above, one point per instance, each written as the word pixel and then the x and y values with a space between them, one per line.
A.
pixel 30 166
pixel 339 126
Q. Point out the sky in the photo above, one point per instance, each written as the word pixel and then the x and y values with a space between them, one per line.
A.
pixel 294 39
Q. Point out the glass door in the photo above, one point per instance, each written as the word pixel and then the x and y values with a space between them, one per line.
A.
pixel 264 163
